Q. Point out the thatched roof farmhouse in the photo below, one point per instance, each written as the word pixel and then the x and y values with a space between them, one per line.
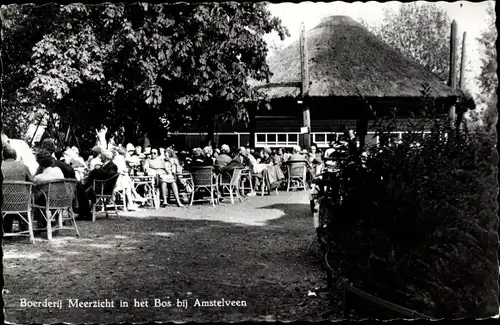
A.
pixel 349 70
pixel 344 56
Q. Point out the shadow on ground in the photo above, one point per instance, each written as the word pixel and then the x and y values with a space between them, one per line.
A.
pixel 174 257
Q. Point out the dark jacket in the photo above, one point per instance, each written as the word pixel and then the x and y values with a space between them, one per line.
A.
pixel 105 172
pixel 67 170
pixel 200 162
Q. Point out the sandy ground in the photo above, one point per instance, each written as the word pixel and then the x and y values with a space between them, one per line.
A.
pixel 254 252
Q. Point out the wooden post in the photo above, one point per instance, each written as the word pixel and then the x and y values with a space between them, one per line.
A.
pixel 462 64
pixel 252 124
pixel 452 82
pixel 304 89
pixel 36 130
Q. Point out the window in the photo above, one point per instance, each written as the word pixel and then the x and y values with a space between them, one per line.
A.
pixel 276 139
pixel 331 137
pixel 320 137
pixel 322 140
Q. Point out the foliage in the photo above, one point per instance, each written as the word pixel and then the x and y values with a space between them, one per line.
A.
pixel 487 79
pixel 420 31
pixel 152 66
pixel 417 224
pixel 22 27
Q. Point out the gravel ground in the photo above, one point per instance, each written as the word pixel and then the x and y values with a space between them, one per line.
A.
pixel 253 252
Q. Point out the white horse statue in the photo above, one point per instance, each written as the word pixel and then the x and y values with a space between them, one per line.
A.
pixel 23 151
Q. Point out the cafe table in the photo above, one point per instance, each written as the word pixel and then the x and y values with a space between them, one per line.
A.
pixel 150 191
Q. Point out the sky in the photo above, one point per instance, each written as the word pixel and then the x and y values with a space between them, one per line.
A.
pixel 470 17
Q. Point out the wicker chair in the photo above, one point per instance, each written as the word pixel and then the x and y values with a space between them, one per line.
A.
pixel 246 177
pixel 266 185
pixel 17 200
pixel 296 173
pixel 104 193
pixel 185 189
pixel 231 182
pixel 58 195
pixel 204 179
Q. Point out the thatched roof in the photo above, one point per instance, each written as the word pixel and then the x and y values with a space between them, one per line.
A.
pixel 344 56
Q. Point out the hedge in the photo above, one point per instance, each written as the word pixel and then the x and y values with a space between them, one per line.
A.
pixel 418 224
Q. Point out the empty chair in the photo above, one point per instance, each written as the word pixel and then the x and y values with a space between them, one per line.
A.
pixel 58 196
pixel 17 200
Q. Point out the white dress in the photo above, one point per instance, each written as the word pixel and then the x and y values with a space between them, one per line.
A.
pixel 123 180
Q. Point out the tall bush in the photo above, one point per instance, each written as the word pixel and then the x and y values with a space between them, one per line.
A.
pixel 418 224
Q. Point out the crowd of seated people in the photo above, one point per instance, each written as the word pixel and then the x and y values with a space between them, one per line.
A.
pixel 162 163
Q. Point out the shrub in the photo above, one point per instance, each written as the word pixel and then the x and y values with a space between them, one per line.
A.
pixel 418 223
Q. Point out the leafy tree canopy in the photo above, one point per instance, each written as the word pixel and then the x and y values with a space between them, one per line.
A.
pixel 488 81
pixel 420 31
pixel 160 66
pixel 22 27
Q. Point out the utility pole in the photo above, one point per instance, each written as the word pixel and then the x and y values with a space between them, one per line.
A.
pixel 304 89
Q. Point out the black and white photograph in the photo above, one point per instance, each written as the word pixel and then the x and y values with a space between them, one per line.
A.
pixel 248 161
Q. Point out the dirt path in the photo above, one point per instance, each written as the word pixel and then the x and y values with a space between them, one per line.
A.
pixel 253 252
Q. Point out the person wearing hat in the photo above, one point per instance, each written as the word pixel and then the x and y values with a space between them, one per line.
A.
pixel 133 161
pixel 107 171
pixel 95 158
pixel 138 150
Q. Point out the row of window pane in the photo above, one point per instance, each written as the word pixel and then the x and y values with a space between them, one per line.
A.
pixel 277 138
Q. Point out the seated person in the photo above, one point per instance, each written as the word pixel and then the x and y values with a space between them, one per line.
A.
pixel 286 155
pixel 297 156
pixel 76 160
pixel 134 163
pixel 239 161
pixel 13 170
pixel 95 159
pixel 200 159
pixel 223 159
pixel 163 170
pixel 107 171
pixel 315 161
pixel 124 182
pixel 47 173
pixel 209 159
pixel 277 156
pixel 137 152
